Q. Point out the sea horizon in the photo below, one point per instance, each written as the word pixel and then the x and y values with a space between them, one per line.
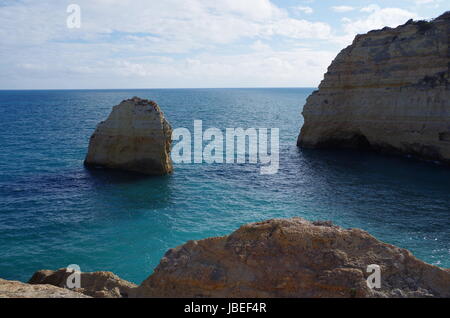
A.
pixel 162 88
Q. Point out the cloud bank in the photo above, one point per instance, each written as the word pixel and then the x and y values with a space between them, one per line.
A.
pixel 178 43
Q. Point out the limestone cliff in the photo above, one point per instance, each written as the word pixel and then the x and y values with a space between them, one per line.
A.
pixel 135 137
pixel 389 91
pixel 292 258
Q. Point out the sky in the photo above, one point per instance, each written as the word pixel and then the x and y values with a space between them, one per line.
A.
pixel 186 43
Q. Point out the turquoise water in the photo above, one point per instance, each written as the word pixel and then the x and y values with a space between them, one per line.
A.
pixel 54 213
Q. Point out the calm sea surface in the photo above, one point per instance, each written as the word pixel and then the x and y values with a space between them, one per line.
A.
pixel 54 213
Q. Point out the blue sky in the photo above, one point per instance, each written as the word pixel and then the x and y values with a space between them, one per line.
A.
pixel 186 43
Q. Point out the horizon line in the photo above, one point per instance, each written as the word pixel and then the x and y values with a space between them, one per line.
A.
pixel 165 88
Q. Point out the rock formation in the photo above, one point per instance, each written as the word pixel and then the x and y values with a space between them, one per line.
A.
pixel 135 137
pixel 389 91
pixel 97 284
pixel 13 289
pixel 292 258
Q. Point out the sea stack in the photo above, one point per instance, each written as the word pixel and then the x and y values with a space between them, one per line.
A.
pixel 136 137
pixel 389 91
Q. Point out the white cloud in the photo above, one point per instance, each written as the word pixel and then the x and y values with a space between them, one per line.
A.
pixel 304 9
pixel 299 29
pixel 279 68
pixel 373 18
pixel 377 19
pixel 178 25
pixel 342 9
pixel 371 8
pixel 429 3
pixel 419 2
pixel 142 43
pixel 249 9
pixel 135 40
pixel 259 46
pixel 298 66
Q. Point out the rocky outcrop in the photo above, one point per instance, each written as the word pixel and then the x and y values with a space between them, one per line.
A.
pixel 279 258
pixel 135 137
pixel 13 289
pixel 292 258
pixel 389 91
pixel 97 284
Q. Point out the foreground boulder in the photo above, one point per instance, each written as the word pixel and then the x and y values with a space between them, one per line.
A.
pixel 13 289
pixel 292 258
pixel 135 137
pixel 97 284
pixel 389 91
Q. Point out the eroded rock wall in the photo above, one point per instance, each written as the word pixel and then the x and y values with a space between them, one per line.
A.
pixel 389 91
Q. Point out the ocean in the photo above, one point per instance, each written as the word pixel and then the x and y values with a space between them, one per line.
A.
pixel 54 212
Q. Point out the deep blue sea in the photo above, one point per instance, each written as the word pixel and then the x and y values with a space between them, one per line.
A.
pixel 54 212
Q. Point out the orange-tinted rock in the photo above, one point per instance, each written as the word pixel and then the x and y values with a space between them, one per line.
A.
pixel 292 258
pixel 13 289
pixel 97 284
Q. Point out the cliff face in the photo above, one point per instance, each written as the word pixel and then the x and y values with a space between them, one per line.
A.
pixel 135 137
pixel 292 258
pixel 388 91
